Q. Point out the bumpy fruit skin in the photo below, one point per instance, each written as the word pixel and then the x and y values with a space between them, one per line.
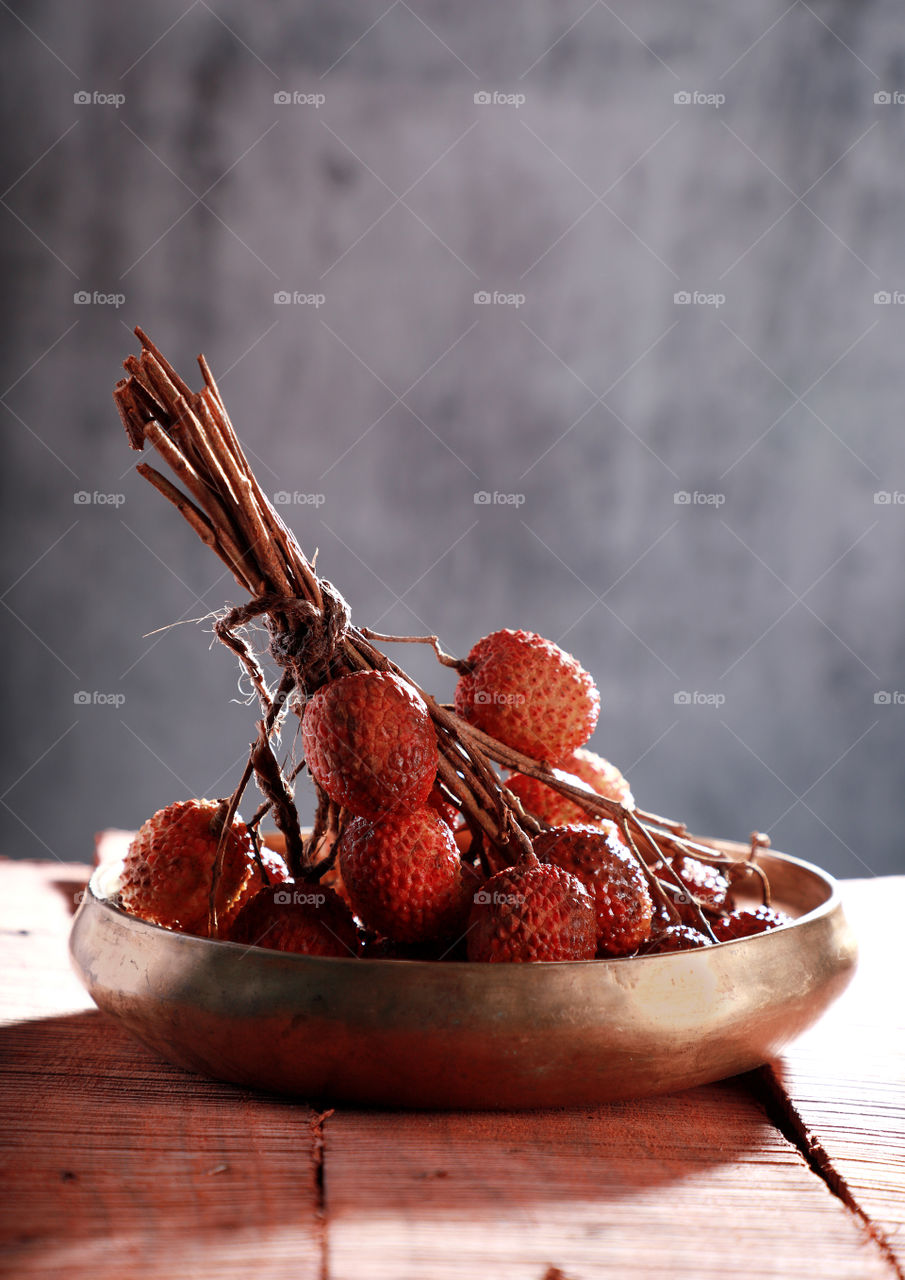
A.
pixel 168 870
pixel 528 693
pixel 313 922
pixel 370 744
pixel 707 884
pixel 404 876
pixel 745 924
pixel 277 874
pixel 448 812
pixel 534 914
pixel 600 775
pixel 546 804
pixel 611 874
pixel 677 937
pixel 581 767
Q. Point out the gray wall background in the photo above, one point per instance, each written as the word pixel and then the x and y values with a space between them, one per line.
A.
pixel 399 198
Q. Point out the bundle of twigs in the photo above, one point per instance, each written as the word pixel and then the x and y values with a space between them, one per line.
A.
pixel 313 640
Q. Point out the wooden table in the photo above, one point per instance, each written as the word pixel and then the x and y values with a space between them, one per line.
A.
pixel 116 1164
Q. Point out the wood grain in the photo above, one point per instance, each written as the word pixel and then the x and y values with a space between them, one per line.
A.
pixel 695 1185
pixel 115 1164
pixel 845 1078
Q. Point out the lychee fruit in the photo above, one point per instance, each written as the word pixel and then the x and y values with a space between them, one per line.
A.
pixel 601 776
pixel 532 914
pixel 706 883
pixel 404 876
pixel 370 744
pixel 277 873
pixel 305 918
pixel 557 810
pixel 447 811
pixel 528 693
pixel 747 923
pixel 611 874
pixel 676 937
pixel 168 869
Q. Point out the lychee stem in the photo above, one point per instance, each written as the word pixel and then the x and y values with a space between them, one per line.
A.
pixel 657 890
pixel 673 875
pixel 229 511
pixel 444 658
pixel 262 744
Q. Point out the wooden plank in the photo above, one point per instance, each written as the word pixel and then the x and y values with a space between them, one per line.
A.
pixel 114 1163
pixel 845 1079
pixel 696 1185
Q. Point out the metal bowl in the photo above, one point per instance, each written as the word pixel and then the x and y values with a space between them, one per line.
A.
pixel 447 1035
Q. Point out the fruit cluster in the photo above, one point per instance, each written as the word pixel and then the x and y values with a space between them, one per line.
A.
pixel 403 870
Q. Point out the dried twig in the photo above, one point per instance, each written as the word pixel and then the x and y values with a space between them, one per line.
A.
pixel 313 640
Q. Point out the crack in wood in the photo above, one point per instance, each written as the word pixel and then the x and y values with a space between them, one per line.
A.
pixel 316 1127
pixel 782 1112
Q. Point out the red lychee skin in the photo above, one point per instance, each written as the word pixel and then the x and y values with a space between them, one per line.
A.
pixel 745 924
pixel 676 937
pixel 528 693
pixel 546 804
pixel 448 812
pixel 404 876
pixel 600 775
pixel 277 874
pixel 556 810
pixel 534 914
pixel 305 918
pixel 705 883
pixel 168 870
pixel 370 744
pixel 611 874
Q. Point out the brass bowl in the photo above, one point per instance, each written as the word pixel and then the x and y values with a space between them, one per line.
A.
pixel 448 1035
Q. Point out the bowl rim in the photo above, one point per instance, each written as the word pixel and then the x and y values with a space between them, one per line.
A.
pixel 108 872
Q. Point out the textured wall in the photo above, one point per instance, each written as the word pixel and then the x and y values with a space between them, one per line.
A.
pixel 776 605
